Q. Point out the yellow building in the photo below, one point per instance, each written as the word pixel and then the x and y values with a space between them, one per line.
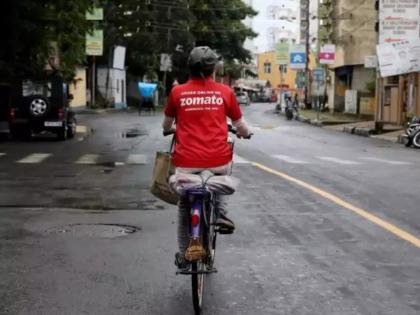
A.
pixel 269 70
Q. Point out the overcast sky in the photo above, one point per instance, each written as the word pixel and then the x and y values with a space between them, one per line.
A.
pixel 262 23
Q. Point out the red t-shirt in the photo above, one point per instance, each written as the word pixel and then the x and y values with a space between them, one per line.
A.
pixel 200 107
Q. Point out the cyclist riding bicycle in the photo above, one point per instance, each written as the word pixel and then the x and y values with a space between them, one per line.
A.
pixel 199 109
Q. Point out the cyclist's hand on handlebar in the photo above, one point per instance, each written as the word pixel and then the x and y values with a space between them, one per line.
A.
pixel 246 137
pixel 169 132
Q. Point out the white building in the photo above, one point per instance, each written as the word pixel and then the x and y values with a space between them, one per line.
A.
pixel 276 20
pixel 312 6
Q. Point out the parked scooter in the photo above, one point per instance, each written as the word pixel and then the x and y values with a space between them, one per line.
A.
pixel 413 133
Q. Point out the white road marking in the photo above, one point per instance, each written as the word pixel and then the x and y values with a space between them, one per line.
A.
pixel 34 158
pixel 88 159
pixel 137 159
pixel 2 154
pixel 81 129
pixel 390 162
pixel 289 159
pixel 239 160
pixel 338 161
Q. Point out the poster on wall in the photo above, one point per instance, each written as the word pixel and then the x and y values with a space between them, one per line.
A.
pixel 399 57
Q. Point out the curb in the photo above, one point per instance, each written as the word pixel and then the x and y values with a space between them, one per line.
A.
pixel 363 132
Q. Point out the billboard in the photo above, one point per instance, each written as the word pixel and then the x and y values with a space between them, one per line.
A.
pixel 327 54
pixel 282 53
pixel 94 43
pixel 297 57
pixel 399 20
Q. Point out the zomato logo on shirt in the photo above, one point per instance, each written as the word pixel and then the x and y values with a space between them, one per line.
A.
pixel 213 100
pixel 194 98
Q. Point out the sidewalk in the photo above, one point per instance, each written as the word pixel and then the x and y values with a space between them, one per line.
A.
pixel 352 124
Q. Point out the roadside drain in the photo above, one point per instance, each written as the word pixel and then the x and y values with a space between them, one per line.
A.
pixel 95 230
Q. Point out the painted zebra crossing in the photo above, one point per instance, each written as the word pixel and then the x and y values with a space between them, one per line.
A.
pixel 143 159
pixel 34 158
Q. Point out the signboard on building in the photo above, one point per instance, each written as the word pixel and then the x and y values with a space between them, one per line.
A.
pixel 399 20
pixel 282 53
pixel 297 57
pixel 399 58
pixel 371 61
pixel 327 54
pixel 118 58
pixel 96 14
pixel 318 75
pixel 94 43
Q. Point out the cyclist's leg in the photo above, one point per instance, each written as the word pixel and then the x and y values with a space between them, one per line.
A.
pixel 183 233
pixel 221 200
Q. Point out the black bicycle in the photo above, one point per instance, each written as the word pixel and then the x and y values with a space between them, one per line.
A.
pixel 203 235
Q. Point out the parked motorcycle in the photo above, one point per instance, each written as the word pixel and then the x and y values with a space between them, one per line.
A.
pixel 290 109
pixel 413 133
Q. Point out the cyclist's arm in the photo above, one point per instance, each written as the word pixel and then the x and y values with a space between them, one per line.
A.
pixel 235 114
pixel 170 114
pixel 242 130
pixel 168 123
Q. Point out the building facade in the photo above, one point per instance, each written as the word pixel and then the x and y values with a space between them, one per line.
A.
pixel 352 30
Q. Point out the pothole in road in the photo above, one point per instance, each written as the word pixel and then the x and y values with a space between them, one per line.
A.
pixel 133 133
pixel 95 230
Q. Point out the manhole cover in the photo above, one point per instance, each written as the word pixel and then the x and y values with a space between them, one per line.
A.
pixel 97 230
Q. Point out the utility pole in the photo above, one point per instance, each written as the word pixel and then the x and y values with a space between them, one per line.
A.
pixel 305 11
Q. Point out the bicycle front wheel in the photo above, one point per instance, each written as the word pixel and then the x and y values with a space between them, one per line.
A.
pixel 197 281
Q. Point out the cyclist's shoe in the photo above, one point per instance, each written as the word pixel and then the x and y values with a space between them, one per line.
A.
pixel 195 251
pixel 224 224
pixel 181 262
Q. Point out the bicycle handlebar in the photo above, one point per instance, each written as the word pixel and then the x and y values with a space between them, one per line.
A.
pixel 168 133
pixel 230 129
pixel 235 132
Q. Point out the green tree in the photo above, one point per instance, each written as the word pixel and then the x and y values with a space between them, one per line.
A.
pixel 149 28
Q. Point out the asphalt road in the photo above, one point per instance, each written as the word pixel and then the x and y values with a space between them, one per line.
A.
pixel 327 223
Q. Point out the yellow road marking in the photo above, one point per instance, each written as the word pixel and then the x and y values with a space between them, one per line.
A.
pixel 81 129
pixel 363 213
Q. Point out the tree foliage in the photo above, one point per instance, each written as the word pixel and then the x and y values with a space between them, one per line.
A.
pixel 33 31
pixel 175 27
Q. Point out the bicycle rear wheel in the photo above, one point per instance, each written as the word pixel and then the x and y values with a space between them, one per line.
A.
pixel 197 282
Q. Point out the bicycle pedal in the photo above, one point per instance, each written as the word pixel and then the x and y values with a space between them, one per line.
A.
pixel 224 231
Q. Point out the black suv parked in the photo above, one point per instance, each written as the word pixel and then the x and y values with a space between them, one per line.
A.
pixel 44 106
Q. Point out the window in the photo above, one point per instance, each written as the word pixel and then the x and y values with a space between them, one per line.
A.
pixel 267 67
pixel 283 68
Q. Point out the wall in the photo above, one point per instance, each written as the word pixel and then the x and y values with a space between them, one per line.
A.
pixel 354 31
pixel 78 88
pixel 112 84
